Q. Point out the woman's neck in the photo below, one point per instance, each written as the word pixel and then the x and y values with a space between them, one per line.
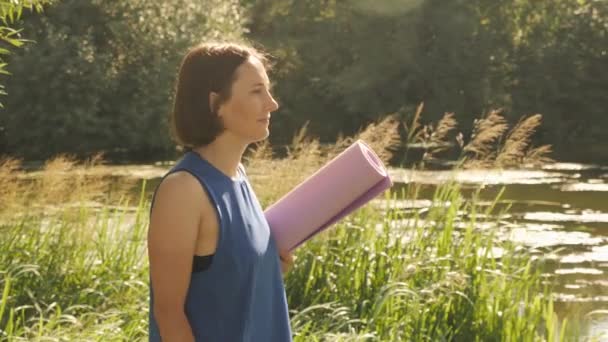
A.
pixel 224 153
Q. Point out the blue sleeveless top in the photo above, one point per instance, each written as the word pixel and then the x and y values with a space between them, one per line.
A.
pixel 241 295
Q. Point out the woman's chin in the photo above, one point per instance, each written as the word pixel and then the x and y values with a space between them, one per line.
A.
pixel 261 137
pixel 265 136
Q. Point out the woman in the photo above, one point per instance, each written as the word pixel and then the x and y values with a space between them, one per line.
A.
pixel 215 271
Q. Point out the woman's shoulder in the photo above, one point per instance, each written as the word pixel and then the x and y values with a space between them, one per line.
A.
pixel 181 180
pixel 179 188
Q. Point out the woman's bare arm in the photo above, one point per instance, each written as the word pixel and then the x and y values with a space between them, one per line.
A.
pixel 172 236
pixel 287 260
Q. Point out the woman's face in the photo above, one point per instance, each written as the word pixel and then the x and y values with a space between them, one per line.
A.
pixel 246 115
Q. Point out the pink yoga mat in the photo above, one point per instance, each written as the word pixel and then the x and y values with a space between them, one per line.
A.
pixel 347 182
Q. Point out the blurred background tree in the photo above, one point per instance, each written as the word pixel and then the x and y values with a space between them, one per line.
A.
pixel 10 13
pixel 342 64
pixel 100 76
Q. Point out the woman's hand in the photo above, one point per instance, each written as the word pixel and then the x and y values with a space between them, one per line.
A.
pixel 286 261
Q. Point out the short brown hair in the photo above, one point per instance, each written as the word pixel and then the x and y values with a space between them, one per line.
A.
pixel 206 68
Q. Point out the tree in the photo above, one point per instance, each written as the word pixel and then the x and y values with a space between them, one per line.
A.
pixel 101 74
pixel 10 13
pixel 342 64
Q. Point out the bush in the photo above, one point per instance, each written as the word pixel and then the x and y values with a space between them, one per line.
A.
pixel 101 73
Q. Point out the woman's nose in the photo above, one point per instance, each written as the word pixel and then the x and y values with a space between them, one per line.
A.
pixel 273 105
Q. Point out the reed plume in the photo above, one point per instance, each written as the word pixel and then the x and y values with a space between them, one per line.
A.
pixel 382 136
pixel 486 133
pixel 438 136
pixel 516 146
pixel 11 189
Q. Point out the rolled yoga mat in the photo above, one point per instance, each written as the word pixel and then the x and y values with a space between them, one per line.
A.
pixel 344 184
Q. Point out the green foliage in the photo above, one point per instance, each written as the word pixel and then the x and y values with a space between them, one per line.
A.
pixel 10 13
pixel 80 273
pixel 69 283
pixel 101 73
pixel 336 62
pixel 398 278
pixel 560 58
pixel 343 63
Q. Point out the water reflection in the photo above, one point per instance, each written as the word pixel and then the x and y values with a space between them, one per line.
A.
pixel 493 177
pixel 579 270
pixel 592 185
pixel 571 167
pixel 569 216
pixel 552 238
pixel 597 254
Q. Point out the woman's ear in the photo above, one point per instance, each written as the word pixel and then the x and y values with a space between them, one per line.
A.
pixel 214 98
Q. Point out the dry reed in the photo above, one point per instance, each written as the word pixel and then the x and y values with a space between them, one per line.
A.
pixel 64 180
pixel 61 181
pixel 437 137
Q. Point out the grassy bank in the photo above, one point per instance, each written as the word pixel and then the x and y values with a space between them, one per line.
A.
pixel 81 274
pixel 73 265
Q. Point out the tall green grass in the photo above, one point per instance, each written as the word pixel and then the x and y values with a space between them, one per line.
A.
pixel 423 281
pixel 81 274
pixel 75 274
